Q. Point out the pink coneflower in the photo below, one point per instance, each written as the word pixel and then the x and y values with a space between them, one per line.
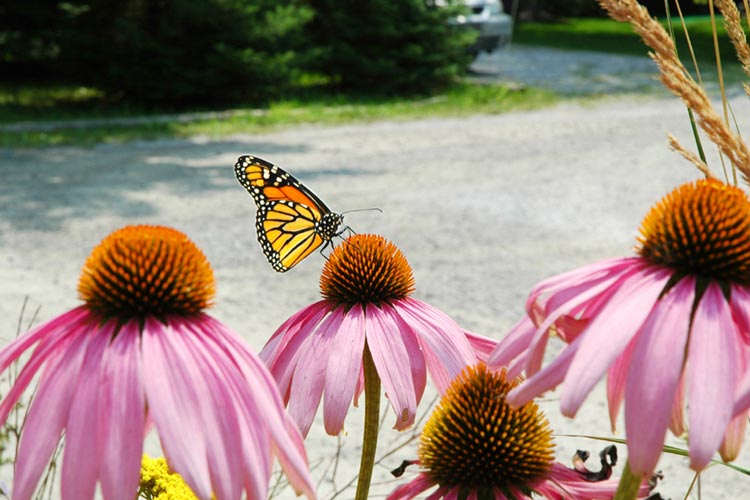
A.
pixel 668 325
pixel 318 352
pixel 475 445
pixel 140 351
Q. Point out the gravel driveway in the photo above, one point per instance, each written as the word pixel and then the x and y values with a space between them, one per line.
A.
pixel 483 208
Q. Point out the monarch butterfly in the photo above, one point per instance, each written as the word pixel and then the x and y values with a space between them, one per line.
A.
pixel 291 221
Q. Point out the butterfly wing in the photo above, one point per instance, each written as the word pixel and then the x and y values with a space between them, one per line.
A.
pixel 287 232
pixel 266 182
pixel 292 222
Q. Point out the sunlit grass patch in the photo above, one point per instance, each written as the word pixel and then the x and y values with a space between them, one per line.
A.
pixel 460 100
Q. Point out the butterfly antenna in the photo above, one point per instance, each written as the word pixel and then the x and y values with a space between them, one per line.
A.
pixel 361 210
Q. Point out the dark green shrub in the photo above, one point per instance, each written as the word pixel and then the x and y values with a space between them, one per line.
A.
pixel 387 46
pixel 174 52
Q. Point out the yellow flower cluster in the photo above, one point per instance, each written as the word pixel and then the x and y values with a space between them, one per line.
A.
pixel 159 483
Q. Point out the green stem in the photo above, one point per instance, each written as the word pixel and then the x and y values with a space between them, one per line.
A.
pixel 629 485
pixel 372 421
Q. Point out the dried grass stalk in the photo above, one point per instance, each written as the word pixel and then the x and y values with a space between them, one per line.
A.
pixel 733 23
pixel 692 158
pixel 675 77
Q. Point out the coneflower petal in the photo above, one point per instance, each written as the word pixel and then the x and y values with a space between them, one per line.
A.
pixel 548 378
pixel 122 390
pixel 616 378
pixel 441 338
pixel 515 342
pixel 413 488
pixel 713 337
pixel 220 408
pixel 576 296
pixel 732 444
pixel 609 270
pixel 255 431
pixel 49 343
pixel 176 398
pixel 84 435
pixel 608 334
pixel 652 382
pixel 47 416
pixel 418 364
pixel 52 329
pixel 391 357
pixel 309 376
pixel 289 336
pixel 344 366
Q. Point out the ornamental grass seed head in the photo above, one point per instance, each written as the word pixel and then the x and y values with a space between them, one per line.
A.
pixel 670 328
pixel 140 351
pixel 318 352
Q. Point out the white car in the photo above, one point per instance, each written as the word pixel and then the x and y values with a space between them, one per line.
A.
pixel 493 25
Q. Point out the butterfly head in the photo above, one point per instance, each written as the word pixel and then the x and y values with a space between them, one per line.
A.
pixel 329 225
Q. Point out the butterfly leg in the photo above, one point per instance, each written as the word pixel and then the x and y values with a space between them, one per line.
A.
pixel 328 242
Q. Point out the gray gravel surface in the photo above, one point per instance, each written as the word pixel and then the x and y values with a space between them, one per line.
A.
pixel 483 207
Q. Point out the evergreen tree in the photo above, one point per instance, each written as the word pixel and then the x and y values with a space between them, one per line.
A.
pixel 388 46
pixel 186 51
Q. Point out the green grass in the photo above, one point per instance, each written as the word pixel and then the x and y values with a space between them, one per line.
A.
pixel 462 99
pixel 606 35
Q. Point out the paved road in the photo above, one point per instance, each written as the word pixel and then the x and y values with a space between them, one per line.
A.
pixel 580 72
pixel 483 208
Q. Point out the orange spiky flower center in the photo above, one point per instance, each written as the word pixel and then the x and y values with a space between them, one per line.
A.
pixel 146 270
pixel 366 269
pixel 701 228
pixel 475 441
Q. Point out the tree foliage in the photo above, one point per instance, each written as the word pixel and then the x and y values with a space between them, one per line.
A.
pixel 175 51
pixel 387 46
pixel 185 52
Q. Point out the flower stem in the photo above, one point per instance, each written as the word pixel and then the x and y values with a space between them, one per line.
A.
pixel 629 485
pixel 372 421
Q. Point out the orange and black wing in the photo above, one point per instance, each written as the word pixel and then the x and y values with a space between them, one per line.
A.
pixel 291 222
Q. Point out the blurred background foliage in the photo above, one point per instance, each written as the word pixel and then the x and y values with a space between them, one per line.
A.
pixel 187 52
pixel 177 54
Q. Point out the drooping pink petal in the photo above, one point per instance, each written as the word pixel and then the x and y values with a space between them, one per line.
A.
pixel 416 354
pixel 47 416
pixel 677 419
pixel 576 297
pixel 616 377
pixel 481 345
pixel 221 411
pixel 302 320
pixel 440 335
pixel 735 433
pixel 123 419
pixel 281 353
pixel 309 377
pixel 740 305
pixel 542 381
pixel 742 395
pixel 48 349
pixel 348 344
pixel 413 488
pixel 608 269
pixel 391 360
pixel 51 329
pixel 175 395
pixel 563 483
pixel 608 334
pixel 652 382
pixel 84 436
pixel 711 356
pixel 284 433
pixel 513 344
